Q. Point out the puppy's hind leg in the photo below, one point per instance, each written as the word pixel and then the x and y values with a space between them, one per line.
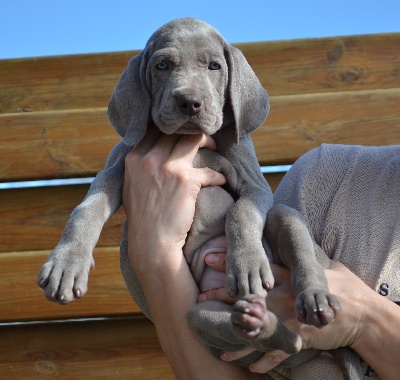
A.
pixel 292 246
pixel 252 321
pixel 211 322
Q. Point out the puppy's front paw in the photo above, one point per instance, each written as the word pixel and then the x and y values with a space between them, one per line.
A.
pixel 317 307
pixel 248 272
pixel 64 275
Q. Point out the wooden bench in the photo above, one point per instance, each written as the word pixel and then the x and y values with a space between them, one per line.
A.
pixel 53 125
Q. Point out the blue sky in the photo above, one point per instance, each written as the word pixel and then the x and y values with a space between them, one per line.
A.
pixel 54 27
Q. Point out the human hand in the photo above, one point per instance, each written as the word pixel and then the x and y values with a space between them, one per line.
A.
pixel 217 261
pixel 160 190
pixel 280 301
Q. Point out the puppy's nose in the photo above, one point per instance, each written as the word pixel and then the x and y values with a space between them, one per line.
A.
pixel 189 104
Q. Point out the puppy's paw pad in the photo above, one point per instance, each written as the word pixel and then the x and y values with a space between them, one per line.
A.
pixel 250 317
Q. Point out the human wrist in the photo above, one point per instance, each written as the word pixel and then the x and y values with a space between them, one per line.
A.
pixel 370 324
pixel 155 257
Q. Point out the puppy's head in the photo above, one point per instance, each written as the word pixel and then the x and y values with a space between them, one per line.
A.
pixel 189 80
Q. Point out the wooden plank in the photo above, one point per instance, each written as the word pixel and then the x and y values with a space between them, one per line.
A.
pixel 23 300
pixel 55 144
pixel 60 82
pixel 284 68
pixel 33 219
pixel 76 143
pixel 298 124
pixel 111 349
pixel 320 65
pixel 274 179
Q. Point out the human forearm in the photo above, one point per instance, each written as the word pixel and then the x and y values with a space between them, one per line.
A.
pixel 378 339
pixel 187 356
pixel 159 194
pixel 368 322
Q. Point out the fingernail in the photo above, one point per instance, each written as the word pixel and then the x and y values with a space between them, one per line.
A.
pixel 202 297
pixel 211 258
pixel 223 356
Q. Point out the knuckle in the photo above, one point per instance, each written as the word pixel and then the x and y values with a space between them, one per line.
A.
pixel 130 157
pixel 149 163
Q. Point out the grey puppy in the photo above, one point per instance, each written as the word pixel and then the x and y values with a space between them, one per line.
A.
pixel 189 80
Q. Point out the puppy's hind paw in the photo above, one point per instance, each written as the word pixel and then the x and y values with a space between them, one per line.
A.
pixel 317 308
pixel 262 329
pixel 250 317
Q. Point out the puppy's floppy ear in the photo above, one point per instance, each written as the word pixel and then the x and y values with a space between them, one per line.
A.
pixel 129 106
pixel 248 98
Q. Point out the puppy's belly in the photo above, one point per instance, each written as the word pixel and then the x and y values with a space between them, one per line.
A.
pixel 211 279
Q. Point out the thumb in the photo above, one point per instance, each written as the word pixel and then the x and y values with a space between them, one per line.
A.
pixel 216 261
pixel 209 177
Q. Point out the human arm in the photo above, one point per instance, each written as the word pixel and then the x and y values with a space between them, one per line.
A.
pixel 159 194
pixel 365 323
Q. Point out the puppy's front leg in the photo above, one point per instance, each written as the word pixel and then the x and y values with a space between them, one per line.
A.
pixel 248 269
pixel 65 273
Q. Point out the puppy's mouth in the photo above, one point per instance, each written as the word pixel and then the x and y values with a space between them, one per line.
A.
pixel 190 128
pixel 188 125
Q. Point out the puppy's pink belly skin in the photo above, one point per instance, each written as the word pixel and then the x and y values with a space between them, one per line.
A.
pixel 211 279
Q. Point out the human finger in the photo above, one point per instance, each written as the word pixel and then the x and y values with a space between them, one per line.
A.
pixel 208 177
pixel 190 144
pixel 216 261
pixel 268 361
pixel 148 141
pixel 163 147
pixel 230 355
pixel 217 294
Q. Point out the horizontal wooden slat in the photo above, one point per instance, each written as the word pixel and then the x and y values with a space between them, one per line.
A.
pixel 33 219
pixel 23 300
pixel 112 349
pixel 60 82
pixel 76 143
pixel 274 179
pixel 321 65
pixel 299 123
pixel 284 68
pixel 55 144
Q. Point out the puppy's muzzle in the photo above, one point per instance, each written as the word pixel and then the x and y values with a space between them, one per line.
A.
pixel 189 103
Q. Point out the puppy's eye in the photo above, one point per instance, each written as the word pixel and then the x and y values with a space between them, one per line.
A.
pixel 162 65
pixel 214 65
